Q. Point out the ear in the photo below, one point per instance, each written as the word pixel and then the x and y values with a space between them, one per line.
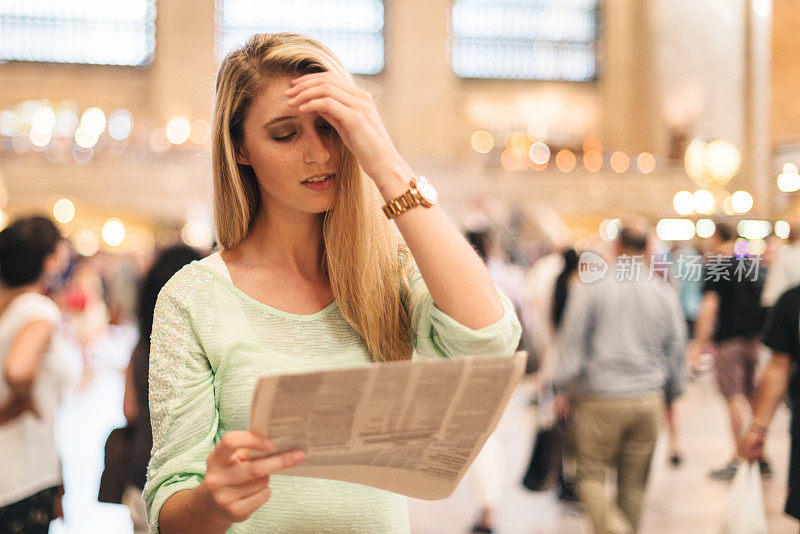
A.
pixel 241 156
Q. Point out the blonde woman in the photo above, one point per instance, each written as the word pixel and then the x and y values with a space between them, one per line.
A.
pixel 311 276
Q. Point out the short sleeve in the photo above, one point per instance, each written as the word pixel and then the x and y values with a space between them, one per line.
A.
pixel 436 334
pixel 32 307
pixel 782 328
pixel 182 406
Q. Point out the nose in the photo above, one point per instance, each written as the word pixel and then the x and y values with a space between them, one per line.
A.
pixel 315 151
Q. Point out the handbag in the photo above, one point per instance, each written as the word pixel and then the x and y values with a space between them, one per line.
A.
pixel 744 510
pixel 117 461
pixel 544 467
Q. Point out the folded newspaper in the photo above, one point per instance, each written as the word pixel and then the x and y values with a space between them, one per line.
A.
pixel 409 427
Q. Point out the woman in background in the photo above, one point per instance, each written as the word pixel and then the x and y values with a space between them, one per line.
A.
pixel 33 375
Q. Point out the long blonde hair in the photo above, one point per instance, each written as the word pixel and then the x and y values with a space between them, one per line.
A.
pixel 364 262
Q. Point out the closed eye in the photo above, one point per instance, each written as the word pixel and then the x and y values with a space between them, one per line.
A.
pixel 284 138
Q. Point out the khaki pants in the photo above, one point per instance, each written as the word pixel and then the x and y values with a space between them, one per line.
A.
pixel 619 434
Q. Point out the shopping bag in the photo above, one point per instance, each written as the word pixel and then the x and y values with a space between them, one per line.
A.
pixel 744 509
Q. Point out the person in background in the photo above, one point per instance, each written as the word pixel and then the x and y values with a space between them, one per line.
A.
pixel 784 273
pixel 731 315
pixel 686 273
pixel 621 340
pixel 135 405
pixel 34 373
pixel 565 281
pixel 312 275
pixel 782 335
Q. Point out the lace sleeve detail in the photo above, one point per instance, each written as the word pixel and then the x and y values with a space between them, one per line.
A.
pixel 182 405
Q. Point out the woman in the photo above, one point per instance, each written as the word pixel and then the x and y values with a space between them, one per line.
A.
pixel 33 374
pixel 311 276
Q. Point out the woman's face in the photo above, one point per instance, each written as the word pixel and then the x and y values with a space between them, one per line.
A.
pixel 295 156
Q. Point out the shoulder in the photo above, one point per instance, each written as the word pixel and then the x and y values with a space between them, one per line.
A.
pixel 187 284
pixel 34 306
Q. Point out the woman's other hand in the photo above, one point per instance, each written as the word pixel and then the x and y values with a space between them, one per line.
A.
pixel 235 486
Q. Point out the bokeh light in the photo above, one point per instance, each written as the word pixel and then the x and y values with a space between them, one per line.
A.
pixel 620 162
pixel 750 229
pixel 741 201
pixel 178 130
pixel 113 232
pixel 566 160
pixel 646 162
pixel 120 124
pixel 782 229
pixel 93 121
pixel 683 202
pixel 705 228
pixel 703 201
pixel 593 161
pixel 675 229
pixel 481 141
pixel 64 210
pixel 196 234
pixel 539 153
pixel 609 229
pixel 87 243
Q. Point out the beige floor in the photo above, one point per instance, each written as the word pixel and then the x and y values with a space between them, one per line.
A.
pixel 682 500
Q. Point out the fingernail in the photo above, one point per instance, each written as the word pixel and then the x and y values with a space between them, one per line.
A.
pixel 268 443
pixel 299 456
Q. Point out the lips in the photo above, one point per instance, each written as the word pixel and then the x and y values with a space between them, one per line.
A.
pixel 319 182
pixel 318 178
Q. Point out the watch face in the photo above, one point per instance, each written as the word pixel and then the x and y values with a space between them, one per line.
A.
pixel 426 190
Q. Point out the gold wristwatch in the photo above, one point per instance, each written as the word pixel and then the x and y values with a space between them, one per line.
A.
pixel 420 193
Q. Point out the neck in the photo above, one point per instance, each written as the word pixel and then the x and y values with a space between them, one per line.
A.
pixel 286 241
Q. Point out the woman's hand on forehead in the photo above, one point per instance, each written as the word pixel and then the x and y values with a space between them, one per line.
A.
pixel 352 112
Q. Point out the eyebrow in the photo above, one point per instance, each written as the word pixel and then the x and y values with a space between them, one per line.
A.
pixel 280 119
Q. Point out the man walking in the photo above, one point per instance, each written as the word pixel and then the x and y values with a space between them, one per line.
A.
pixel 731 314
pixel 623 339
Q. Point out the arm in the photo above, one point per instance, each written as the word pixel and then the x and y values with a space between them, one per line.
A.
pixel 22 366
pixel 774 382
pixel 572 339
pixel 675 344
pixel 129 401
pixel 447 262
pixel 196 483
pixel 704 326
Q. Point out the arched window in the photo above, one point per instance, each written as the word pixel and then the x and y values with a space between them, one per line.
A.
pixel 353 29
pixel 100 32
pixel 524 39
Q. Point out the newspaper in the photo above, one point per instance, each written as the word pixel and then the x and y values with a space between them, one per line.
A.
pixel 409 427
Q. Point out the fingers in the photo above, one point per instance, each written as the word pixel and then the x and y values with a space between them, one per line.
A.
pixel 329 106
pixel 244 472
pixel 231 441
pixel 309 80
pixel 237 503
pixel 326 90
pixel 244 508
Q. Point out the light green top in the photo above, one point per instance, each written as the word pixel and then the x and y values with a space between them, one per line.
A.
pixel 211 342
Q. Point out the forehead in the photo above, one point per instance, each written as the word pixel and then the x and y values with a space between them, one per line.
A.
pixel 271 101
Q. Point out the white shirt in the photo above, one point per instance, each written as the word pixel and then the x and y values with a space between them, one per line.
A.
pixel 30 459
pixel 783 275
